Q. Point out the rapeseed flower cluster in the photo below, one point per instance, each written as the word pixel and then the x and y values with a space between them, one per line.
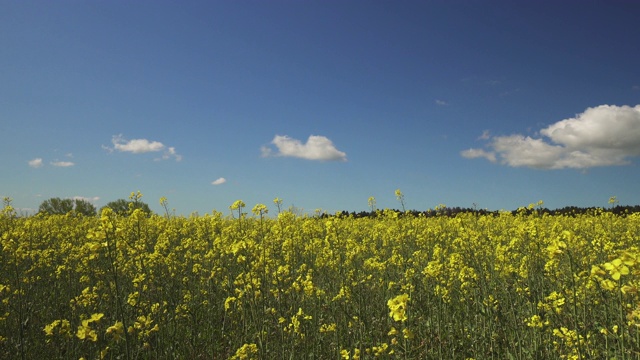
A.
pixel 85 330
pixel 264 285
pixel 398 307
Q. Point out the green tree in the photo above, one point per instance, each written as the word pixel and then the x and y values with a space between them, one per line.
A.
pixel 63 206
pixel 56 206
pixel 84 207
pixel 121 206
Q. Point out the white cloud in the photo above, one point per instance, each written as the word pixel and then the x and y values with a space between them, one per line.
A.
pixel 478 153
pixel 316 148
pixel 600 136
pixel 441 102
pixel 603 127
pixel 219 181
pixel 89 199
pixel 35 163
pixel 517 150
pixel 136 146
pixel 265 151
pixel 141 146
pixel 62 163
pixel 170 152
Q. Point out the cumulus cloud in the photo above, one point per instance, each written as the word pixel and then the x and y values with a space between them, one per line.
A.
pixel 35 163
pixel 141 146
pixel 219 181
pixel 605 135
pixel 136 146
pixel 62 163
pixel 316 148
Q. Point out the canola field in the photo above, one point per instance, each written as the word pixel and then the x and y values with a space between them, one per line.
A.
pixel 252 285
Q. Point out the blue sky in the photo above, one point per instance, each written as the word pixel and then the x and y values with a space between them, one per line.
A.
pixel 320 103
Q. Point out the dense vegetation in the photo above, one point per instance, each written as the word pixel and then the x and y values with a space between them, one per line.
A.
pixel 503 285
pixel 454 211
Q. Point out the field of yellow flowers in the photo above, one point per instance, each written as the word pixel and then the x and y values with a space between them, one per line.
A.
pixel 287 286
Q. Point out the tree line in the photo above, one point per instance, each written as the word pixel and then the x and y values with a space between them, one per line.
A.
pixel 122 207
pixel 453 211
pixel 58 206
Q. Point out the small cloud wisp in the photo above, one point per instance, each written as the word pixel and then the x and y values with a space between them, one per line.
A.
pixel 35 163
pixel 62 163
pixel 219 181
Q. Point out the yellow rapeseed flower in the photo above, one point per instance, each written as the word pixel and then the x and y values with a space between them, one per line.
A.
pixel 534 321
pixel 246 352
pixel 238 204
pixel 616 268
pixel 324 328
pixel 344 354
pixel 380 350
pixel 49 328
pixel 398 307
pixel 85 332
pixel 407 333
pixel 62 327
pixel 116 331
pixel 259 210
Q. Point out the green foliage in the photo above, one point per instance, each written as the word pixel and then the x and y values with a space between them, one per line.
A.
pixel 57 206
pixel 84 207
pixel 124 207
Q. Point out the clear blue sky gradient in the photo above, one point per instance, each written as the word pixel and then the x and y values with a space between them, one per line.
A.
pixel 453 102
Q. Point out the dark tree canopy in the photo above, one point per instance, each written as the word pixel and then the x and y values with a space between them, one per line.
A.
pixel 84 207
pixel 63 206
pixel 121 206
